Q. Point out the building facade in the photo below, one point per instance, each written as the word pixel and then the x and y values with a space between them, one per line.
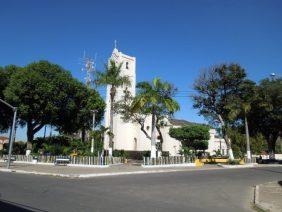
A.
pixel 128 136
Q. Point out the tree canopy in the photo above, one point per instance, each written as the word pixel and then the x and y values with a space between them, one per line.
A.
pixel 5 112
pixel 217 88
pixel 47 94
pixel 265 115
pixel 192 136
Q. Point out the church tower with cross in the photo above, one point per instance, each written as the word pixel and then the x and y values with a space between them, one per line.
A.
pixel 124 133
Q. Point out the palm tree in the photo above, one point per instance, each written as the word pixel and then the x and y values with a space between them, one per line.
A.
pixel 157 97
pixel 242 106
pixel 112 77
pixel 246 108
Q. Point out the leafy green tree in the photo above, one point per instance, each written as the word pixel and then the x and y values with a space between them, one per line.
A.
pixel 113 78
pixel 216 89
pixel 6 114
pixel 156 99
pixel 47 94
pixel 84 101
pixel 257 143
pixel 265 115
pixel 192 136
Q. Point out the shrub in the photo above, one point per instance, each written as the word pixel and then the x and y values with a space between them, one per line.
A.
pixel 233 162
pixel 146 154
pixel 165 154
pixel 120 153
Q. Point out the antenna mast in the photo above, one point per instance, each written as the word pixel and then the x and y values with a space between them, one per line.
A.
pixel 89 67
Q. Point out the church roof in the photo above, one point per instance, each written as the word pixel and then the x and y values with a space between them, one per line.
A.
pixel 4 140
pixel 181 122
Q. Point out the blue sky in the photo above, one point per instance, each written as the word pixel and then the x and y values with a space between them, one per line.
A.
pixel 173 40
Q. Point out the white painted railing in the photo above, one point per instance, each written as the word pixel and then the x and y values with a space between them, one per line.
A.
pixel 171 160
pixel 78 160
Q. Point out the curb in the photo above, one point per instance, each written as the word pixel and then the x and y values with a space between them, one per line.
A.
pixel 109 174
pixel 103 174
pixel 238 166
pixel 170 165
pixel 257 203
pixel 72 165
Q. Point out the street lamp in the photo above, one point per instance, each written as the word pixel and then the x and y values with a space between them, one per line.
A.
pixel 12 131
pixel 93 127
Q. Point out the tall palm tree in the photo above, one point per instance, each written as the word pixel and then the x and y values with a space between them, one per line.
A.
pixel 157 97
pixel 242 106
pixel 112 77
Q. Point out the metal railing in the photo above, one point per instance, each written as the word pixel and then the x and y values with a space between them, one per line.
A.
pixel 78 160
pixel 171 160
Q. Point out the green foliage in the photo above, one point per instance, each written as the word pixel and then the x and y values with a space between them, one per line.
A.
pixel 146 154
pixel 233 162
pixel 63 145
pixel 120 153
pixel 192 136
pixel 258 143
pixel 6 113
pixel 200 145
pixel 156 96
pixel 186 151
pixel 217 153
pixel 265 115
pixel 19 148
pixel 217 88
pixel 46 94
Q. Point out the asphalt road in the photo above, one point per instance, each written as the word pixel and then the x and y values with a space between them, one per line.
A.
pixel 212 190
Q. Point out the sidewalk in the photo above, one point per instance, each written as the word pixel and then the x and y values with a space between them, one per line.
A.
pixel 85 172
pixel 268 196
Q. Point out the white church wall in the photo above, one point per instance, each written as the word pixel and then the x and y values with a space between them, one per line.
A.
pixel 128 136
pixel 170 144
pixel 124 133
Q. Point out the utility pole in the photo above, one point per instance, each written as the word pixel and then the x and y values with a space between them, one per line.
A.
pixel 12 132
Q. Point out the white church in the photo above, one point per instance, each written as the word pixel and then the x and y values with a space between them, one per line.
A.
pixel 128 136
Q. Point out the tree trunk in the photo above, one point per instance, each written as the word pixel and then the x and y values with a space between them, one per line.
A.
pixel 83 134
pixel 30 136
pixel 153 136
pixel 249 155
pixel 111 136
pixel 160 136
pixel 271 146
pixel 226 139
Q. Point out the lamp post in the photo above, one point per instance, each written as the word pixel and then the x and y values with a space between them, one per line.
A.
pixel 93 128
pixel 12 132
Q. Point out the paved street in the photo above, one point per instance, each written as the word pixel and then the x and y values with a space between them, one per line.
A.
pixel 203 190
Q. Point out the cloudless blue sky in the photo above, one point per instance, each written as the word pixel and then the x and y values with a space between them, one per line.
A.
pixel 173 40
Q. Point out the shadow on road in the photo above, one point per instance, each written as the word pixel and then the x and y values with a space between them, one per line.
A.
pixel 15 207
pixel 267 170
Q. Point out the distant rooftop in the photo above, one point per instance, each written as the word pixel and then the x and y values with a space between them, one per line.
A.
pixel 181 122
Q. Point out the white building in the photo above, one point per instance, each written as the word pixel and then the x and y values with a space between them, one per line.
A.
pixel 128 136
